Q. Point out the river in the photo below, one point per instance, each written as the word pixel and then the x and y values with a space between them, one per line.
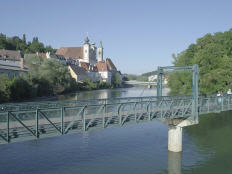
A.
pixel 133 149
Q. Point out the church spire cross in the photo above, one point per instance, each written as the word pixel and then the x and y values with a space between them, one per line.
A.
pixel 100 46
pixel 87 39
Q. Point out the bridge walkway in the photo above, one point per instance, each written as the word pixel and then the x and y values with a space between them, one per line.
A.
pixel 32 120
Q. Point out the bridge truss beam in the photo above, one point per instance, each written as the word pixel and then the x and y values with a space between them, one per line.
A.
pixel 172 69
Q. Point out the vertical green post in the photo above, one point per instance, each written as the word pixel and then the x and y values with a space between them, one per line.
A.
pixel 37 123
pixel 222 108
pixel 8 127
pixel 159 82
pixel 208 104
pixel 135 115
pixel 195 92
pixel 83 119
pixel 62 121
pixel 119 114
pixel 103 115
pixel 149 111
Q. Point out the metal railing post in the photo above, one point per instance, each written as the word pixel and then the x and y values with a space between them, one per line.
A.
pixel 83 119
pixel 37 124
pixel 135 115
pixel 62 120
pixel 149 111
pixel 103 115
pixel 8 127
pixel 222 107
pixel 120 114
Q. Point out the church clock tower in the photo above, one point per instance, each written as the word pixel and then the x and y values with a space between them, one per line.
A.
pixel 86 50
pixel 100 52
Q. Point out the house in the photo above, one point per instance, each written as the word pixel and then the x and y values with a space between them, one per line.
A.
pixel 11 63
pixel 104 71
pixel 78 73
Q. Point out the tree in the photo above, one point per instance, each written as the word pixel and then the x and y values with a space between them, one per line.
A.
pixel 213 54
pixel 19 89
pixel 3 42
pixel 16 43
pixel 115 80
pixel 4 88
pixel 24 39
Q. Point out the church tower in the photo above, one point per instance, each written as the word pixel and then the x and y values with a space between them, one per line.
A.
pixel 93 59
pixel 86 50
pixel 100 52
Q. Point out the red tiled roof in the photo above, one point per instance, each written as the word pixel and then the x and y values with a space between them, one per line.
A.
pixel 71 52
pixel 43 55
pixel 10 55
pixel 110 64
pixel 102 66
pixel 85 65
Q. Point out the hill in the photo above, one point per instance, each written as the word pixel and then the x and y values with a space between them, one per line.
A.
pixel 17 43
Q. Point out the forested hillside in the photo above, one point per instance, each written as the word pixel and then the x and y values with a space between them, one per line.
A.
pixel 17 43
pixel 213 54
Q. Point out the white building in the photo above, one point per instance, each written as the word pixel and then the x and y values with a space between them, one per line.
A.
pixel 87 53
pixel 91 59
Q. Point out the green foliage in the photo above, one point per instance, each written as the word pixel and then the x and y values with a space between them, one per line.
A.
pixel 149 73
pixel 44 78
pixel 4 88
pixel 103 85
pixel 88 85
pixel 19 89
pixel 49 74
pixel 115 80
pixel 213 54
pixel 137 77
pixel 16 43
pixel 14 89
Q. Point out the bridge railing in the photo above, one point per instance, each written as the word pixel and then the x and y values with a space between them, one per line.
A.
pixel 66 103
pixel 213 103
pixel 33 122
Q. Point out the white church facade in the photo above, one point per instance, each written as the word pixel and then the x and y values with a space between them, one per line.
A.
pixel 90 58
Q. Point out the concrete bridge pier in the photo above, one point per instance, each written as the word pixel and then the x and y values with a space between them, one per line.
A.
pixel 174 138
pixel 174 162
pixel 175 127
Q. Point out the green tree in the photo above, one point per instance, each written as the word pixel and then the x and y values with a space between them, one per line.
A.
pixel 115 80
pixel 103 85
pixel 4 88
pixel 16 43
pixel 36 46
pixel 19 89
pixel 213 54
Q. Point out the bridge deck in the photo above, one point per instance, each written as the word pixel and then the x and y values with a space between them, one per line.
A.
pixel 41 119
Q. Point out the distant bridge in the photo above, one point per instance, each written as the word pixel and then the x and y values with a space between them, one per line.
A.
pixel 135 82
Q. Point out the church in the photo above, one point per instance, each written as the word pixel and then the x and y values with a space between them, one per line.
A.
pixel 90 58
pixel 87 53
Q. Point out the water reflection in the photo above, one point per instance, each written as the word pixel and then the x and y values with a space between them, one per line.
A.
pixel 213 140
pixel 112 93
pixel 174 162
pixel 138 148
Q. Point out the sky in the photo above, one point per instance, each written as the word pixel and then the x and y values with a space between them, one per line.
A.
pixel 138 35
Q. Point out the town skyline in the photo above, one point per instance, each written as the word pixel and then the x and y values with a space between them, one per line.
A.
pixel 149 32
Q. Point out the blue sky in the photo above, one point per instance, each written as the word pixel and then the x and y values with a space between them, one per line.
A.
pixel 137 35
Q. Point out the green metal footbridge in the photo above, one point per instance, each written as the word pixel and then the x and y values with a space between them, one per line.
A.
pixel 33 120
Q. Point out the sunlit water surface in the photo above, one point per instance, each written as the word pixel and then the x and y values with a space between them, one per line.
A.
pixel 133 149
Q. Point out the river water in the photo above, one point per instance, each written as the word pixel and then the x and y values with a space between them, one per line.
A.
pixel 133 149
